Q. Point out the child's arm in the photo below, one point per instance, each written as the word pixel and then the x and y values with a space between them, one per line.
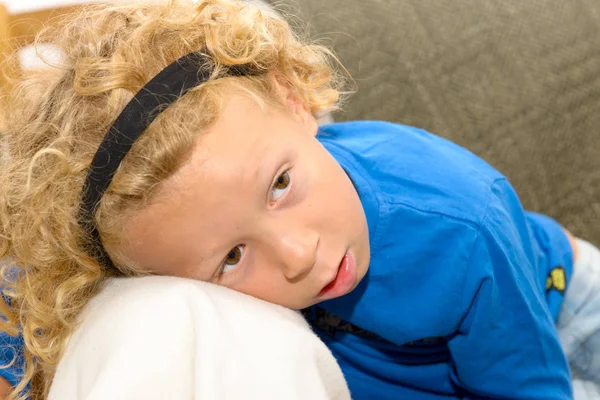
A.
pixel 507 344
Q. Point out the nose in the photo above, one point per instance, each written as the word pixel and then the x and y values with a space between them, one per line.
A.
pixel 296 251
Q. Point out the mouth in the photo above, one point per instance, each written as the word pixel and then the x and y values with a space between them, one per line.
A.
pixel 343 281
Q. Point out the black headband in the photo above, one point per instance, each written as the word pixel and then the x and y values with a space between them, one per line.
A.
pixel 165 88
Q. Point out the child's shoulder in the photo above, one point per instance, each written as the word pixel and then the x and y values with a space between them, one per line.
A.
pixel 409 166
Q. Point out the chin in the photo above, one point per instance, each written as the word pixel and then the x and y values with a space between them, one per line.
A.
pixel 362 270
pixel 300 308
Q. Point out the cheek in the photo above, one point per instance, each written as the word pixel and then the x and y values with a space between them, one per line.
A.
pixel 257 281
pixel 269 285
pixel 344 199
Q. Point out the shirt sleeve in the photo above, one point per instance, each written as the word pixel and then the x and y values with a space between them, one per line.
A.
pixel 11 358
pixel 11 354
pixel 507 346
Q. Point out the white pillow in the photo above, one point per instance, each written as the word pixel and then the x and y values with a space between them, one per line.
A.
pixel 171 338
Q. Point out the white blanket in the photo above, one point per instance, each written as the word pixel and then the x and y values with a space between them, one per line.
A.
pixel 170 338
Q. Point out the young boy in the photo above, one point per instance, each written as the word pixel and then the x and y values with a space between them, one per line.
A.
pixel 419 267
pixel 411 257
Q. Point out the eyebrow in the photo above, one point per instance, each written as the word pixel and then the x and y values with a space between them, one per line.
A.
pixel 198 264
pixel 205 265
pixel 265 167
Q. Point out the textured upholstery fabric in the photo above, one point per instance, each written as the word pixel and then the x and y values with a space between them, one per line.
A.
pixel 517 82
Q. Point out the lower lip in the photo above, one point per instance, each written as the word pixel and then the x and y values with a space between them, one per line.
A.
pixel 344 280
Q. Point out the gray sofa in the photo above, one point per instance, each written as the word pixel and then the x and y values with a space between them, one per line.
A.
pixel 517 82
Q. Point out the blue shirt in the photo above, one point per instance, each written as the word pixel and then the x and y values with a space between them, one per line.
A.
pixel 464 286
pixel 11 351
pixel 12 359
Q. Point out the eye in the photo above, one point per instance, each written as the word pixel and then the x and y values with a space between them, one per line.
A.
pixel 232 259
pixel 281 185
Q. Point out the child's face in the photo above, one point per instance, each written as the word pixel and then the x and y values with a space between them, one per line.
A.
pixel 261 208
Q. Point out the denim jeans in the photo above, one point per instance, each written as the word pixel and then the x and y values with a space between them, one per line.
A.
pixel 579 323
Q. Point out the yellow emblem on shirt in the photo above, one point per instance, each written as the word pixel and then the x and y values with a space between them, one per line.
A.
pixel 556 280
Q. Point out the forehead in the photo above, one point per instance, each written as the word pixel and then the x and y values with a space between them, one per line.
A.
pixel 202 201
pixel 233 148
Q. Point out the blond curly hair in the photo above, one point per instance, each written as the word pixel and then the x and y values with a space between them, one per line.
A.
pixel 58 116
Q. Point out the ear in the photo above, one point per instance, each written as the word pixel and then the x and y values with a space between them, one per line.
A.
pixel 297 108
